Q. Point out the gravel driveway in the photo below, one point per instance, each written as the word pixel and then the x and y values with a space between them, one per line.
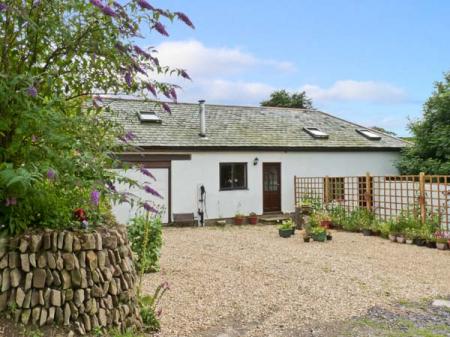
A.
pixel 247 281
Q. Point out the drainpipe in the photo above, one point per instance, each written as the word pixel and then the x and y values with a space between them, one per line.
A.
pixel 202 112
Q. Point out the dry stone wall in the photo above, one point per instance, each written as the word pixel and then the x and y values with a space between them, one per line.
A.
pixel 74 278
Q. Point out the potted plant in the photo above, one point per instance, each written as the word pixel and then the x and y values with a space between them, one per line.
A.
pixel 289 223
pixel 305 206
pixel 393 236
pixel 401 238
pixel 318 234
pixel 329 236
pixel 252 218
pixel 238 219
pixel 325 220
pixel 441 243
pixel 285 229
pixel 337 215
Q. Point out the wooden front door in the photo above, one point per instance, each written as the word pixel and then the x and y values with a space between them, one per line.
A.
pixel 271 187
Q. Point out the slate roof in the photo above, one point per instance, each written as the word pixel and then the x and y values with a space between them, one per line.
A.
pixel 239 127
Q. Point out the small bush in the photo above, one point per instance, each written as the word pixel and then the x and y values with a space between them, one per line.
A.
pixel 145 234
pixel 148 306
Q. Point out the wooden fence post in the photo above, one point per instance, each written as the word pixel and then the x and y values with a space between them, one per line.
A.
pixel 295 191
pixel 326 192
pixel 368 192
pixel 423 211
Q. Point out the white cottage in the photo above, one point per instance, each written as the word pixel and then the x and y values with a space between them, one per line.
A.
pixel 244 159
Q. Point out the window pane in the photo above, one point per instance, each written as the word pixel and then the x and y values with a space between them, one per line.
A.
pixel 239 176
pixel 226 180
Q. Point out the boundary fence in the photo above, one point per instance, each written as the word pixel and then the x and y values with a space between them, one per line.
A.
pixel 385 196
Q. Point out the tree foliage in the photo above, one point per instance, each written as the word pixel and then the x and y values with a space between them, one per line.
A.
pixel 430 152
pixel 282 98
pixel 56 143
pixel 379 128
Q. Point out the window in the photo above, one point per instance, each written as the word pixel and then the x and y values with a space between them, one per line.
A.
pixel 149 116
pixel 369 134
pixel 233 176
pixel 316 133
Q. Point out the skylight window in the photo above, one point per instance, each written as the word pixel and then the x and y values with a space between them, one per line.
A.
pixel 369 134
pixel 316 133
pixel 149 116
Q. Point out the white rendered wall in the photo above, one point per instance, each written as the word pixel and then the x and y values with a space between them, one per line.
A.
pixel 124 212
pixel 203 169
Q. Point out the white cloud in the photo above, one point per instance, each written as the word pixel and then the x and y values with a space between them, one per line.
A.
pixel 201 61
pixel 350 90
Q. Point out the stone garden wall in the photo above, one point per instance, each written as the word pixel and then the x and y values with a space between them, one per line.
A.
pixel 73 278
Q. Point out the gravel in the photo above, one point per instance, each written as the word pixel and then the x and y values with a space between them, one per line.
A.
pixel 247 281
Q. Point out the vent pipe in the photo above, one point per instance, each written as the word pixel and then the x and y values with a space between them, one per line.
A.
pixel 202 112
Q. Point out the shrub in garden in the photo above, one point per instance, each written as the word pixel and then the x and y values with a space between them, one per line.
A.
pixel 146 240
pixel 57 143
pixel 359 218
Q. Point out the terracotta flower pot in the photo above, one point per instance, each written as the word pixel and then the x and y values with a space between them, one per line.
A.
pixel 325 224
pixel 252 219
pixel 238 220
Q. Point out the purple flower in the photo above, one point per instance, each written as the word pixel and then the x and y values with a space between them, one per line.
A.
pixel 3 7
pixel 151 88
pixel 140 51
pixel 152 191
pixel 183 17
pixel 11 201
pixel 138 68
pixel 130 136
pixel 149 208
pixel 160 28
pixel 95 197
pixel 165 285
pixel 173 93
pixel 155 60
pixel 147 173
pixel 166 107
pixel 128 78
pixel 32 91
pixel 84 224
pixel 108 11
pixel 36 3
pixel 184 74
pixel 144 4
pixel 159 312
pixel 97 3
pixel 51 174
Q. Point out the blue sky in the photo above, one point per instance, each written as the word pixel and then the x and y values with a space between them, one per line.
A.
pixel 372 62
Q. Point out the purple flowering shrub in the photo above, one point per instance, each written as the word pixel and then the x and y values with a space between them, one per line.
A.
pixel 57 145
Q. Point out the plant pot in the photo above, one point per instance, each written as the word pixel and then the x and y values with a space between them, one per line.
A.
pixel 401 239
pixel 306 239
pixel 431 244
pixel 252 219
pixel 393 237
pixel 329 237
pixel 293 230
pixel 420 242
pixel 319 237
pixel 409 241
pixel 367 232
pixel 285 233
pixel 441 245
pixel 238 220
pixel 326 224
pixel 306 209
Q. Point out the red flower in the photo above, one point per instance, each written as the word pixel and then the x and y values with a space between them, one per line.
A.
pixel 79 214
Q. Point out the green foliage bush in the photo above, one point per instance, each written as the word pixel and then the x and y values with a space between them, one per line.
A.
pixel 358 219
pixel 149 308
pixel 145 234
pixel 57 138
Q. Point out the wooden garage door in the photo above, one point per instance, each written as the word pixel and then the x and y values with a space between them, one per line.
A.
pixel 124 212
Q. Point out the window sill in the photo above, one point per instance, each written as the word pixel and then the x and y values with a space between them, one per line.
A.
pixel 233 189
